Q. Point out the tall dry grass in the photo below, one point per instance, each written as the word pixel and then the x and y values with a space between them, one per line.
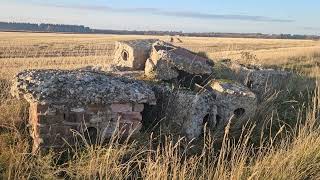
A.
pixel 295 156
pixel 281 142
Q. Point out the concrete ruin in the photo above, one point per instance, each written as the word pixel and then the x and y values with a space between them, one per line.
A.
pixel 182 111
pixel 191 111
pixel 234 101
pixel 95 105
pixel 257 79
pixel 132 54
pixel 168 62
pixel 99 102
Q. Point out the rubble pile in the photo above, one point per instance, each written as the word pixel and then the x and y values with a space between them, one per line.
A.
pixel 140 89
pixel 233 100
pixel 257 79
pixel 167 61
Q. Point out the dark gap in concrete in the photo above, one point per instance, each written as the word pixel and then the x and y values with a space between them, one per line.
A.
pixel 165 48
pixel 239 112
pixel 124 55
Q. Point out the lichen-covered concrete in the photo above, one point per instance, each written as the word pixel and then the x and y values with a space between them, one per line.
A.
pixel 132 54
pixel 73 88
pixel 259 80
pixel 233 101
pixel 167 61
pixel 64 104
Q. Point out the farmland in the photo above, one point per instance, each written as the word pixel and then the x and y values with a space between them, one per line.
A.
pixel 282 143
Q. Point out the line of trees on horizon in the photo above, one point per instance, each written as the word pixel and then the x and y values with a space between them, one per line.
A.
pixel 44 27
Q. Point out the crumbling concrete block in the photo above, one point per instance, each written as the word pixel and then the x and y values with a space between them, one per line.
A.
pixel 191 111
pixel 93 104
pixel 233 101
pixel 168 62
pixel 183 111
pixel 132 54
pixel 259 80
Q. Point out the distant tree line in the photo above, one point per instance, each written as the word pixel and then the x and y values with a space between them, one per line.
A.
pixel 255 35
pixel 43 27
pixel 210 34
pixel 12 26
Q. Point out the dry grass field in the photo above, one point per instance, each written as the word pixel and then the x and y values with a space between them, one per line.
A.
pixel 282 142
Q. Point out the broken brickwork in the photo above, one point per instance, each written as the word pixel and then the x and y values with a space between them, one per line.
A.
pixel 54 127
pixel 89 103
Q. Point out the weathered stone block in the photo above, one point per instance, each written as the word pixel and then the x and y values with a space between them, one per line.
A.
pixel 168 62
pixel 79 88
pixel 258 80
pixel 190 111
pixel 132 54
pixel 233 101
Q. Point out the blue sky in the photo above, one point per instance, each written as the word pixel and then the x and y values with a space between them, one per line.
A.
pixel 264 16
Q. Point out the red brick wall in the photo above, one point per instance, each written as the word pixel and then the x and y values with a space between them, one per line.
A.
pixel 54 127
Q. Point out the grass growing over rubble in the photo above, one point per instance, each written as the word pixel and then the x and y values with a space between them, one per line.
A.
pixel 281 142
pixel 293 156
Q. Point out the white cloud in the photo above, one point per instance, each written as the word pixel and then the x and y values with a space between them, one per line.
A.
pixel 118 19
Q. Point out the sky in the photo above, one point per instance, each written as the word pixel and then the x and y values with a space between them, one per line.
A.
pixel 239 16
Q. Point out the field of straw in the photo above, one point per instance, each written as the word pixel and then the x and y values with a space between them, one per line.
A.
pixel 281 142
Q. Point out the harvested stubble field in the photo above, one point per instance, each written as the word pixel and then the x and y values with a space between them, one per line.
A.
pixel 282 142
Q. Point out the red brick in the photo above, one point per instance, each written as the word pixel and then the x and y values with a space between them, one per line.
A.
pixel 96 108
pixel 50 119
pixel 54 130
pixel 128 128
pixel 55 140
pixel 41 109
pixel 74 117
pixel 131 116
pixel 121 107
pixel 138 107
pixel 124 128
